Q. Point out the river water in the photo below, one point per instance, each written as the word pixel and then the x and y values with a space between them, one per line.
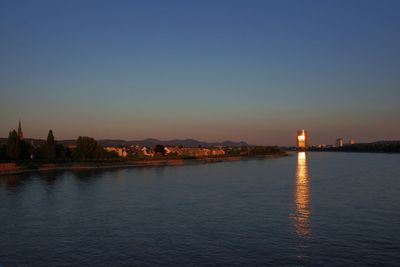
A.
pixel 328 209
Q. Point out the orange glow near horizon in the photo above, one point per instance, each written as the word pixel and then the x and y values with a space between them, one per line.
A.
pixel 302 197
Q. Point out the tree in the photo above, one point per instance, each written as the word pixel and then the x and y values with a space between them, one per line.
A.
pixel 61 151
pixel 13 148
pixel 26 150
pixel 49 149
pixel 88 148
pixel 159 149
pixel 3 152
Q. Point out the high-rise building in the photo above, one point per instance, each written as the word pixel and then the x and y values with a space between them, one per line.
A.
pixel 339 142
pixel 301 139
pixel 20 133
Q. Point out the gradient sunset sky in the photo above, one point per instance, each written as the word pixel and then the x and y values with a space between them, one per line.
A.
pixel 211 70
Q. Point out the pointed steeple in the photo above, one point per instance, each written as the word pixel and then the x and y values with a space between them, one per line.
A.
pixel 20 133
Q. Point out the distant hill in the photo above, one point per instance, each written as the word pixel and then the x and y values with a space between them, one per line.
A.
pixel 174 142
pixel 145 142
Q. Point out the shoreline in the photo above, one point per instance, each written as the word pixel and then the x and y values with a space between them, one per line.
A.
pixel 132 164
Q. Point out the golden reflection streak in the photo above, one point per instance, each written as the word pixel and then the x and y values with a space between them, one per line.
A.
pixel 302 196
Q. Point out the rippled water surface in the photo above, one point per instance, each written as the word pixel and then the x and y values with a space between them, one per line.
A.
pixel 325 209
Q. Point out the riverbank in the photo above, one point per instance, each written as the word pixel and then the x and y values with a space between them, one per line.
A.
pixel 43 167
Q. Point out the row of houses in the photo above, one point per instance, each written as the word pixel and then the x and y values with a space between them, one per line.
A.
pixel 195 152
pixel 178 151
pixel 123 152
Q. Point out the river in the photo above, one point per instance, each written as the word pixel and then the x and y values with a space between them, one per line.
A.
pixel 314 208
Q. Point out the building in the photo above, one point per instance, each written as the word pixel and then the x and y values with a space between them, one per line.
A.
pixel 351 142
pixel 71 146
pixel 121 151
pixel 147 152
pixel 339 142
pixel 301 139
pixel 20 133
pixel 195 151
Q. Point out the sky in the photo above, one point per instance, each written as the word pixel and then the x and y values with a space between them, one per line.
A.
pixel 210 70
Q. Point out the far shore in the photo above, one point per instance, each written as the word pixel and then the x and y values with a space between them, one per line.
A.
pixel 131 163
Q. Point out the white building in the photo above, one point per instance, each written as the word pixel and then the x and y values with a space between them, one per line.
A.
pixel 339 142
pixel 121 151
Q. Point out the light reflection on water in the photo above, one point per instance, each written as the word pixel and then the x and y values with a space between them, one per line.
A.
pixel 302 197
pixel 225 214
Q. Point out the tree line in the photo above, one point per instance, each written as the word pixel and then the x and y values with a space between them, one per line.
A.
pixel 86 149
pixel 377 147
pixel 254 151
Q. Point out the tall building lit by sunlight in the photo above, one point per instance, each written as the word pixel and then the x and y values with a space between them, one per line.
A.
pixel 301 139
pixel 339 142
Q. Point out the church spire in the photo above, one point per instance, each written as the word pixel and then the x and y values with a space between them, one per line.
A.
pixel 20 133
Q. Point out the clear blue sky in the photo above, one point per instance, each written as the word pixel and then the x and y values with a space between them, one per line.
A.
pixel 211 70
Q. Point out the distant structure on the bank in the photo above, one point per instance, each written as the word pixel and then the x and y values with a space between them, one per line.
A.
pixel 301 139
pixel 339 142
pixel 351 142
pixel 20 133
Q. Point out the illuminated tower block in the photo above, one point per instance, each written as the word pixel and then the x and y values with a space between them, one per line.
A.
pixel 339 142
pixel 301 139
